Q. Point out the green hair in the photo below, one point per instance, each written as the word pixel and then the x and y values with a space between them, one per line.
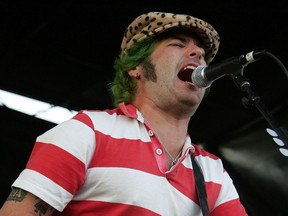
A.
pixel 123 88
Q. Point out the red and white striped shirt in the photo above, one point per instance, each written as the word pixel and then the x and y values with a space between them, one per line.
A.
pixel 111 163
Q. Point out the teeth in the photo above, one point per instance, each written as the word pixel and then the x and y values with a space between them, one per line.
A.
pixel 190 67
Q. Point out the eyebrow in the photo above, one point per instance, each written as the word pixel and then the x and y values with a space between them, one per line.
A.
pixel 179 38
pixel 185 40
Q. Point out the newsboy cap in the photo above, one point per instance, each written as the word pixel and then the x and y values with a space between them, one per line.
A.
pixel 154 23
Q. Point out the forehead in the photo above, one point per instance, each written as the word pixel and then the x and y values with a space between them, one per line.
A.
pixel 179 33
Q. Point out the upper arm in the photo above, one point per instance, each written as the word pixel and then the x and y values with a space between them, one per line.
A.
pixel 21 201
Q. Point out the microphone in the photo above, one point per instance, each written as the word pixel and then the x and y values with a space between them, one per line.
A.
pixel 204 75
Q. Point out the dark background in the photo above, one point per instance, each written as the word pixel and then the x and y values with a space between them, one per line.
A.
pixel 62 53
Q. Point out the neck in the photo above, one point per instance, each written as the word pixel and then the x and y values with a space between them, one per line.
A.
pixel 171 130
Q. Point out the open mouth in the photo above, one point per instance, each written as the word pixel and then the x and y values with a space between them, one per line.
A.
pixel 185 73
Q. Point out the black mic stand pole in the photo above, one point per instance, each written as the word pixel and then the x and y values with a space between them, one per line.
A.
pixel 253 99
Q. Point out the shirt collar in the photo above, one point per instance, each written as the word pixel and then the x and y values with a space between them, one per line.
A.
pixel 131 111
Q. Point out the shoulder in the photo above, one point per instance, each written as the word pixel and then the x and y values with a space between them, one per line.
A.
pixel 93 117
pixel 202 152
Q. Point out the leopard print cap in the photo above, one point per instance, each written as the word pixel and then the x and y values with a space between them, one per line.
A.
pixel 153 23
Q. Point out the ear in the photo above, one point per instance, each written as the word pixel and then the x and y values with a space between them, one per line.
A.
pixel 135 73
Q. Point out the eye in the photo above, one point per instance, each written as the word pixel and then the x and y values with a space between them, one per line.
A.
pixel 181 45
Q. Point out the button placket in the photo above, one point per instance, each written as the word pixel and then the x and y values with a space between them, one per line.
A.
pixel 159 151
pixel 157 148
pixel 150 133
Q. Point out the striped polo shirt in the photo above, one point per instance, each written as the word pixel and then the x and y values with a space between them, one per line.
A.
pixel 110 162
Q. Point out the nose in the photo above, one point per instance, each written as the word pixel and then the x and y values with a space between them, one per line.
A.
pixel 196 52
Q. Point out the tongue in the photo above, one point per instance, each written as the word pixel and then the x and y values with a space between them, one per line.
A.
pixel 185 75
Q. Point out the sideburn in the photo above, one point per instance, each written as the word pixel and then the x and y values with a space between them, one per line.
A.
pixel 149 69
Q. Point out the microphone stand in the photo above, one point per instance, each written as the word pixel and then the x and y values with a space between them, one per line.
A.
pixel 253 99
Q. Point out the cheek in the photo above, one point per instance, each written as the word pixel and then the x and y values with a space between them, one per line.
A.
pixel 165 56
pixel 168 63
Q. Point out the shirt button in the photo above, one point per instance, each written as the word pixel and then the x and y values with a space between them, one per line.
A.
pixel 150 133
pixel 158 151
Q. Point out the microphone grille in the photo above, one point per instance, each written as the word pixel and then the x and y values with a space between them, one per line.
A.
pixel 198 77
